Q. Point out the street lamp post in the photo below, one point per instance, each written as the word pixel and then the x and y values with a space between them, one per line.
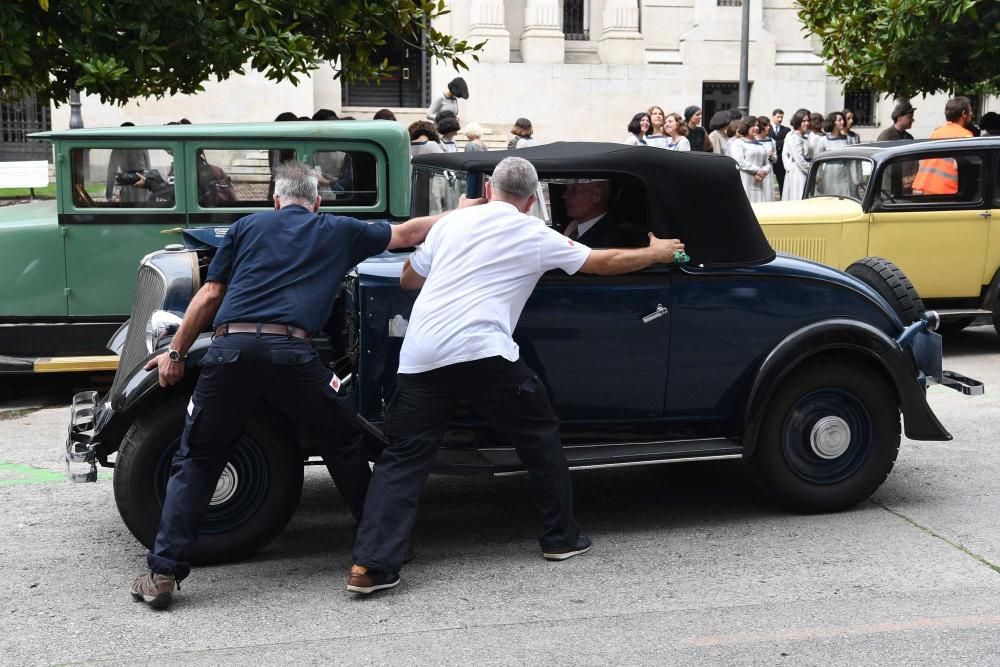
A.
pixel 75 117
pixel 744 101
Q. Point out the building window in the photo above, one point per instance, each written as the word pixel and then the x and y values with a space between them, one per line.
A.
pixel 576 24
pixel 862 103
pixel 729 3
pixel 18 120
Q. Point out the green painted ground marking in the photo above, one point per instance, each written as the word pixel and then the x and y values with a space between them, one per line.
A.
pixel 15 474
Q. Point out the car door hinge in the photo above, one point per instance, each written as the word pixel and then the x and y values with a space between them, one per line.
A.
pixel 63 230
pixel 67 291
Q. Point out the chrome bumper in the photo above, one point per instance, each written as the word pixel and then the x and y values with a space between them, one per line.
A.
pixel 81 460
pixel 926 345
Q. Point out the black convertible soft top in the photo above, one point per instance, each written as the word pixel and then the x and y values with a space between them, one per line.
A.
pixel 696 197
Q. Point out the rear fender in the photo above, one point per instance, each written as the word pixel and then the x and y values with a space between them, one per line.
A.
pixel 849 337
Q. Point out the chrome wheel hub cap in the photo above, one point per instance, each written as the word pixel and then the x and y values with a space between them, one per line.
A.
pixel 226 488
pixel 830 437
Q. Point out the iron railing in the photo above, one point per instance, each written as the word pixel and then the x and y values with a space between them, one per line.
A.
pixel 17 121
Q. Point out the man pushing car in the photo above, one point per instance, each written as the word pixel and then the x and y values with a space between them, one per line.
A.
pixel 476 270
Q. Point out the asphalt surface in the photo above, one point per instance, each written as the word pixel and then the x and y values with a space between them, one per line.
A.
pixel 691 565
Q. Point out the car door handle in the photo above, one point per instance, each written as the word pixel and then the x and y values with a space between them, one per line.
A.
pixel 660 311
pixel 985 214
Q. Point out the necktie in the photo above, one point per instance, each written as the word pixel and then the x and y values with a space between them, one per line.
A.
pixel 571 230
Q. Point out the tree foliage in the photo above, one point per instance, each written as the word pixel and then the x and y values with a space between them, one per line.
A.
pixel 120 49
pixel 909 47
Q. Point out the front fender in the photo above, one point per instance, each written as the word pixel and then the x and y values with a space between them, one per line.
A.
pixel 142 383
pixel 118 411
pixel 852 337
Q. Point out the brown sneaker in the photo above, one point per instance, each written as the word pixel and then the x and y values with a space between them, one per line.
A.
pixel 156 590
pixel 365 581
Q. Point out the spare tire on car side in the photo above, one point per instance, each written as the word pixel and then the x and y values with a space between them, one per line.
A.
pixel 892 284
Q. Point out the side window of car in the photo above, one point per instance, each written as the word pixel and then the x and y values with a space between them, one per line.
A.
pixel 122 177
pixel 996 182
pixel 346 178
pixel 238 177
pixel 434 191
pixel 933 179
pixel 600 212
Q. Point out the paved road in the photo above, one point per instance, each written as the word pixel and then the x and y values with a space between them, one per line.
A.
pixel 691 566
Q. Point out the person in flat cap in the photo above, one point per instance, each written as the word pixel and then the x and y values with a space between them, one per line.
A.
pixel 902 120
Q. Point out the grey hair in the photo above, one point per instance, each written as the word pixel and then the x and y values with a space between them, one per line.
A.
pixel 516 177
pixel 296 181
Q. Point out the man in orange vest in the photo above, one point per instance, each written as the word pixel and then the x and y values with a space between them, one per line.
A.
pixel 939 176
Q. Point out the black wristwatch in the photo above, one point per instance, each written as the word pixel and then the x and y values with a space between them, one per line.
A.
pixel 175 355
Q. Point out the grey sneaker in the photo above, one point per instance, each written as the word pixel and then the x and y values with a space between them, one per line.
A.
pixel 582 546
pixel 156 590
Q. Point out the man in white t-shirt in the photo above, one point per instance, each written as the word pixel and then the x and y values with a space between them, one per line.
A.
pixel 477 268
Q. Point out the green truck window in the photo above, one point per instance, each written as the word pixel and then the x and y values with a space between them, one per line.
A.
pixel 122 177
pixel 346 178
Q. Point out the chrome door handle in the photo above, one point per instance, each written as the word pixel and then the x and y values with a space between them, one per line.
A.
pixel 660 311
pixel 985 214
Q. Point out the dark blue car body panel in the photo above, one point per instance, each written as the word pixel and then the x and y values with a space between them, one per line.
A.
pixel 686 374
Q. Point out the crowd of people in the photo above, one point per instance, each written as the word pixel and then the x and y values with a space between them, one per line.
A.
pixel 774 159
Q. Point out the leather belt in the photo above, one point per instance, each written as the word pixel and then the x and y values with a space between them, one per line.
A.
pixel 259 328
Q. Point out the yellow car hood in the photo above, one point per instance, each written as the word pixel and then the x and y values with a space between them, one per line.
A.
pixel 817 209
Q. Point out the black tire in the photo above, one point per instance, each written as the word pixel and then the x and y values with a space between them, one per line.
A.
pixel 787 460
pixel 889 280
pixel 256 509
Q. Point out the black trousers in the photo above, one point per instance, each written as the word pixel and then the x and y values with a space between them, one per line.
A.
pixel 240 371
pixel 514 401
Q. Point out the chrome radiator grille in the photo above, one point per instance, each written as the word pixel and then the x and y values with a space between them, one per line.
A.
pixel 149 292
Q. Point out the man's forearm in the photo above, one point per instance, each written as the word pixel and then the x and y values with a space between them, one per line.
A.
pixel 412 232
pixel 614 261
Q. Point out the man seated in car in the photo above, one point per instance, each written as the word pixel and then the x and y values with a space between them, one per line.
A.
pixel 590 223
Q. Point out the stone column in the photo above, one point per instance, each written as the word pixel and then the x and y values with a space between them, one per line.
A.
pixel 486 22
pixel 542 40
pixel 620 42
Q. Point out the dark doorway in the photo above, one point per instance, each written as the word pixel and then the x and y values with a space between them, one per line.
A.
pixel 407 84
pixel 17 121
pixel 719 96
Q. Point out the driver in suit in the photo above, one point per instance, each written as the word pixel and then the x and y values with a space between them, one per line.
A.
pixel 590 224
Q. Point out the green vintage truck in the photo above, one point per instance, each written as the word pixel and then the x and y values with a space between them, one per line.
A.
pixel 68 267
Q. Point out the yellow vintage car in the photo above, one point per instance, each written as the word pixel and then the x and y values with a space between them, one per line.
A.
pixel 896 213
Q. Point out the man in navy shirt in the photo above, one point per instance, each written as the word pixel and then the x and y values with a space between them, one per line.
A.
pixel 270 287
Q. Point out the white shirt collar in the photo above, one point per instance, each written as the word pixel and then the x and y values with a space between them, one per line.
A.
pixel 584 227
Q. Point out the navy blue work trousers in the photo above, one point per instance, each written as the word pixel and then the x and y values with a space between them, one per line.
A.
pixel 238 373
pixel 514 401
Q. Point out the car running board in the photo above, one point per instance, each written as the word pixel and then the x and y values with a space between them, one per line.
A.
pixel 505 461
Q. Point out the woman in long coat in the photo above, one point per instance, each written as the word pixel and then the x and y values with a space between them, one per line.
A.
pixel 751 159
pixel 797 156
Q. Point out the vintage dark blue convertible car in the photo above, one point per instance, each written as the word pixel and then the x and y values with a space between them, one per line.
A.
pixel 797 368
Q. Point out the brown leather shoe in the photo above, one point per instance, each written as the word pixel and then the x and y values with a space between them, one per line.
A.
pixel 365 581
pixel 156 590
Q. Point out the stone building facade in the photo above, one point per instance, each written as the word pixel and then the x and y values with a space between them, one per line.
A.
pixel 579 69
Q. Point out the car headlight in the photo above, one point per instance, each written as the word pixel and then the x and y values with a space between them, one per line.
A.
pixel 162 324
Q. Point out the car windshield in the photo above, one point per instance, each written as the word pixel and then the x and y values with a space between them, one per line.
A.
pixel 845 177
